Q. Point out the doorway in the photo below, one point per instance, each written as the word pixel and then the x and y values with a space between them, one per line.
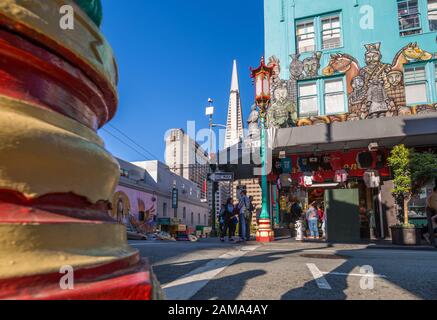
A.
pixel 343 215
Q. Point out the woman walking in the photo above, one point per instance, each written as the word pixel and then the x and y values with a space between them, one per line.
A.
pixel 313 221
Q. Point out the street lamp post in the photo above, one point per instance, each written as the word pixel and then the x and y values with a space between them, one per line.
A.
pixel 261 77
pixel 210 112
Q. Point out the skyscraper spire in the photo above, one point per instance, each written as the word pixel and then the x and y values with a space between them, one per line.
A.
pixel 234 126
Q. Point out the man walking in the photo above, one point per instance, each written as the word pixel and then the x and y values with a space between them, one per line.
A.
pixel 249 217
pixel 244 207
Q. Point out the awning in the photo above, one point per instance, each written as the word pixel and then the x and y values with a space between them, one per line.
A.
pixel 387 132
pixel 417 131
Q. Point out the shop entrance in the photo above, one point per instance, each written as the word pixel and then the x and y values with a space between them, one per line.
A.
pixel 343 215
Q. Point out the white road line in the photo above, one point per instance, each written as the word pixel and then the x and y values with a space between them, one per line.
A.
pixel 366 275
pixel 322 283
pixel 187 286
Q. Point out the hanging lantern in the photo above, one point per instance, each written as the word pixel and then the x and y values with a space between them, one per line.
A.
pixel 261 77
pixel 372 179
pixel 306 180
pixel 341 176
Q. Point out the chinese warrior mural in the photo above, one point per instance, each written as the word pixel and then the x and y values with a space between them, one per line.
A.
pixel 374 90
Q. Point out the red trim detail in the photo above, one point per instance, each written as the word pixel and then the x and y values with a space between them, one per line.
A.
pixel 128 278
pixel 54 208
pixel 32 74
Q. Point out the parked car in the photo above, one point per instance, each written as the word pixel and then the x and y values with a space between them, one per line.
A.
pixel 133 234
pixel 162 235
pixel 182 236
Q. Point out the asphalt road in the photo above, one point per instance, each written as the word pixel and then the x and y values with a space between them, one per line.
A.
pixel 209 270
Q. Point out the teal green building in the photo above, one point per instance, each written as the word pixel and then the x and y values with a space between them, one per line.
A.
pixel 351 79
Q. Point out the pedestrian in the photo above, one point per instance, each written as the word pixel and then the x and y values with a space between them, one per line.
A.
pixel 243 208
pixel 313 220
pixel 222 217
pixel 228 227
pixel 322 216
pixel 234 222
pixel 431 204
pixel 296 210
pixel 249 218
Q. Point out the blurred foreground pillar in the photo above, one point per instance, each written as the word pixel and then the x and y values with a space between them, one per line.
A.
pixel 57 87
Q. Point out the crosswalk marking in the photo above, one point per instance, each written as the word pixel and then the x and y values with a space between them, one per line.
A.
pixel 322 283
pixel 188 285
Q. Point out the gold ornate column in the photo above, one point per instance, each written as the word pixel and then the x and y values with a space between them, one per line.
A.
pixel 57 87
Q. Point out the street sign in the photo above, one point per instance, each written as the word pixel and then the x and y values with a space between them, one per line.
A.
pixel 174 198
pixel 221 177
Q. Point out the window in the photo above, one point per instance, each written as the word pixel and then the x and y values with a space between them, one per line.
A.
pixel 432 15
pixel 319 33
pixel 305 35
pixel 204 220
pixel 198 219
pixel 334 96
pixel 192 218
pixel 164 209
pixel 333 101
pixel 175 213
pixel 415 85
pixel 409 17
pixel 331 32
pixel 308 105
pixel 184 213
pixel 124 173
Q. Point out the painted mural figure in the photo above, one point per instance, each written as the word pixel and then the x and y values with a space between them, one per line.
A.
pixel 396 90
pixel 374 69
pixel 377 99
pixel 296 67
pixel 282 111
pixel 276 75
pixel 311 65
pixel 253 123
pixel 358 97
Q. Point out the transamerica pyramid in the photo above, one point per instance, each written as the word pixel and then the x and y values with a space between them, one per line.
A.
pixel 234 126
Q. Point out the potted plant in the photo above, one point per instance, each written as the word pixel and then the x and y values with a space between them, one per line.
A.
pixel 411 170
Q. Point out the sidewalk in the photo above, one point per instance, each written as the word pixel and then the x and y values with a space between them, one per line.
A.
pixel 291 242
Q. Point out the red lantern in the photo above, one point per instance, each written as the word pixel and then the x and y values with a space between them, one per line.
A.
pixel 261 77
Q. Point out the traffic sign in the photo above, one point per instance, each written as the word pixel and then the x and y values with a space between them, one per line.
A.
pixel 221 177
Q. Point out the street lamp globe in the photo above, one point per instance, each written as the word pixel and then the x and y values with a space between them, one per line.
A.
pixel 262 76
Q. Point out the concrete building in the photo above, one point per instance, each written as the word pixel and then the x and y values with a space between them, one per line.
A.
pixel 349 75
pixel 186 158
pixel 141 180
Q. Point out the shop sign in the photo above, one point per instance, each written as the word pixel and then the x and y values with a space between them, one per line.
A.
pixel 164 221
pixel 286 165
pixel 174 198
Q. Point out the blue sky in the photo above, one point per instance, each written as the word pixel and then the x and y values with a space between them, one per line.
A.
pixel 173 55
